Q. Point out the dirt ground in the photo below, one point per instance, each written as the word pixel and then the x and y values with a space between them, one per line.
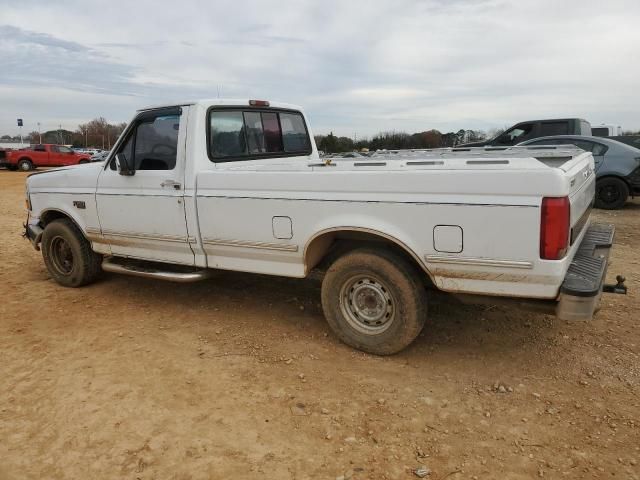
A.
pixel 240 377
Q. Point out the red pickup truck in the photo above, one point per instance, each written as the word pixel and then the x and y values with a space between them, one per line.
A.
pixel 45 155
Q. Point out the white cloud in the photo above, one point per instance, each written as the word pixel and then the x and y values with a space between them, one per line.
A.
pixel 358 66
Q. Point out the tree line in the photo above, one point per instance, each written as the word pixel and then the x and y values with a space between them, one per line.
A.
pixel 401 140
pixel 97 133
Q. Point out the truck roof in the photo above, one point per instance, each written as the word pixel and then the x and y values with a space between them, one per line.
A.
pixel 242 102
pixel 553 120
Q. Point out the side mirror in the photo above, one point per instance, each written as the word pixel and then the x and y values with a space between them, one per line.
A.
pixel 122 165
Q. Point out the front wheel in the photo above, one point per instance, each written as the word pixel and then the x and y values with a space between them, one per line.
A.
pixel 374 300
pixel 68 255
pixel 611 193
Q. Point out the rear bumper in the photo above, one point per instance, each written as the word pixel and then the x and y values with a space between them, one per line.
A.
pixel 581 289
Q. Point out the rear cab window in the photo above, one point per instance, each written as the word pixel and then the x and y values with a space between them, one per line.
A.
pixel 237 133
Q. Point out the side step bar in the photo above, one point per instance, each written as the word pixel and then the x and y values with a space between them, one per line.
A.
pixel 152 270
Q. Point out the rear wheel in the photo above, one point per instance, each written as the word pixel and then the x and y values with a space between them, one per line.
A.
pixel 374 300
pixel 25 165
pixel 68 255
pixel 611 193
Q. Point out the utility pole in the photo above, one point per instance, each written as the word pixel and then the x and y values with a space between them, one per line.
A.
pixel 60 139
pixel 20 125
pixel 39 134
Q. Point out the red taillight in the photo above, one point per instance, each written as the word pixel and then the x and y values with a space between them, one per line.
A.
pixel 259 103
pixel 554 228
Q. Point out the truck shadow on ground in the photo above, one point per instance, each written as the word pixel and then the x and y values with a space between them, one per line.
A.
pixel 292 305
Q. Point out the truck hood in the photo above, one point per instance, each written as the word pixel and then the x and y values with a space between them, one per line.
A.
pixel 72 179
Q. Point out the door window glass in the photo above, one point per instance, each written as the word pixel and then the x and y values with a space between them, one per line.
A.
pixel 516 135
pixel 127 151
pixel 152 145
pixel 156 144
pixel 60 149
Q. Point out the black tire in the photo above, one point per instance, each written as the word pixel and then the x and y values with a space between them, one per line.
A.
pixel 611 193
pixel 25 165
pixel 81 162
pixel 12 168
pixel 68 255
pixel 374 300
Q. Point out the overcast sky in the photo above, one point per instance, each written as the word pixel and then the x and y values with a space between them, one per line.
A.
pixel 357 67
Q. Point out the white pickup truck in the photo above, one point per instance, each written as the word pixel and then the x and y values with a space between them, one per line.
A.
pixel 239 185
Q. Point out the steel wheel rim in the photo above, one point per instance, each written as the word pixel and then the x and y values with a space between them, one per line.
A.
pixel 25 166
pixel 367 304
pixel 609 194
pixel 61 256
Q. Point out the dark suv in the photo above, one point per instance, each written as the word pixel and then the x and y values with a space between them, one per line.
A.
pixel 524 131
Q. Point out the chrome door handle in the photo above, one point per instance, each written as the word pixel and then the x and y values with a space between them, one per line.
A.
pixel 171 183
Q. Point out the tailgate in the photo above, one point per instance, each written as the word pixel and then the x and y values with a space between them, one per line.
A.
pixel 582 180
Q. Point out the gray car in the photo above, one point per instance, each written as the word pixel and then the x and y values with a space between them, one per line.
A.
pixel 617 166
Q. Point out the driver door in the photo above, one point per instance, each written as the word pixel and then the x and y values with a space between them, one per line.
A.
pixel 517 134
pixel 143 215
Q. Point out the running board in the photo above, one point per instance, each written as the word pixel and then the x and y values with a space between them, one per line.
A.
pixel 153 270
